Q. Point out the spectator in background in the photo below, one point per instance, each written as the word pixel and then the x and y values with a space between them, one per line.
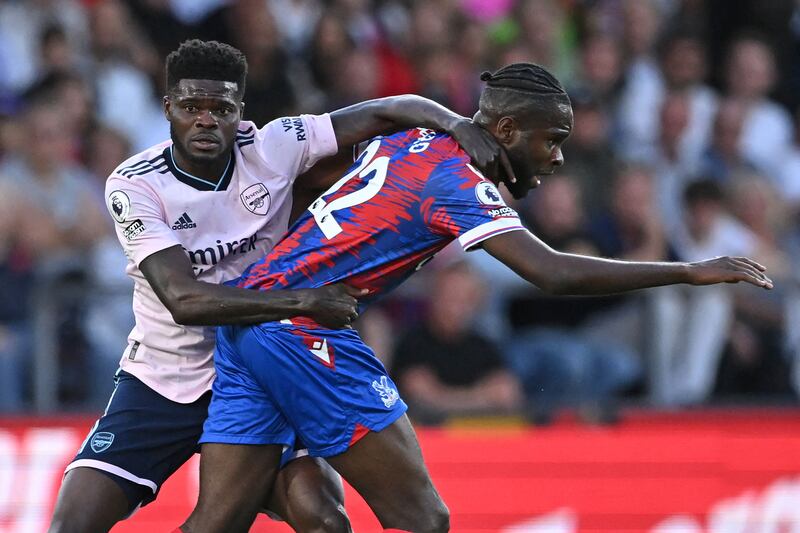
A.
pixel 327 50
pixel 755 362
pixel 589 155
pixel 643 81
pixel 544 37
pixel 21 26
pixel 767 128
pixel 109 315
pixel 125 68
pixel 630 231
pixel 298 18
pixel 691 327
pixel 42 232
pixel 683 71
pixel 443 367
pixel 56 53
pixel 787 180
pixel 16 284
pixel 72 95
pixel 724 157
pixel 433 67
pixel 469 55
pixel 673 171
pixel 559 362
pixel 62 219
pixel 602 70
pixel 270 92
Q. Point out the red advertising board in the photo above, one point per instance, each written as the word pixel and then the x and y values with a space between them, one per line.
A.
pixel 716 471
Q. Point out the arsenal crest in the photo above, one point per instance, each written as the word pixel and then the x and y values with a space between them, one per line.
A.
pixel 256 199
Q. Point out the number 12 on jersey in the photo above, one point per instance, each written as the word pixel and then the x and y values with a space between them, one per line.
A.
pixel 324 212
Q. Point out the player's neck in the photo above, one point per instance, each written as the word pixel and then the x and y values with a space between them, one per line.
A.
pixel 212 171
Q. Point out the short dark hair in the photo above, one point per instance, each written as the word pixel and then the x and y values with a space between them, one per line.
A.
pixel 703 190
pixel 518 90
pixel 206 60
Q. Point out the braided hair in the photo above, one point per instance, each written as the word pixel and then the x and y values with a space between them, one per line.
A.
pixel 519 89
pixel 206 60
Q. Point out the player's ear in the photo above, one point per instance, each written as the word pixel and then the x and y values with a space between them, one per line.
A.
pixel 166 105
pixel 506 130
pixel 241 110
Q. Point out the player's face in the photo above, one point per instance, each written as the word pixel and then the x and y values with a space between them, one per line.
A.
pixel 203 117
pixel 536 151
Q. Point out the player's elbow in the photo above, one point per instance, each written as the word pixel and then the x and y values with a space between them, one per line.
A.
pixel 563 282
pixel 549 277
pixel 179 314
pixel 553 274
pixel 182 317
pixel 183 307
pixel 554 284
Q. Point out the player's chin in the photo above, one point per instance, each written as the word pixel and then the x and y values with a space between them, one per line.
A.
pixel 207 156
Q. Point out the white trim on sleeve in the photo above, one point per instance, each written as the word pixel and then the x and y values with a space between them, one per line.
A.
pixel 112 469
pixel 479 234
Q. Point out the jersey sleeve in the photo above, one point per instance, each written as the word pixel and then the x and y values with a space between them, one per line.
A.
pixel 459 202
pixel 291 145
pixel 138 218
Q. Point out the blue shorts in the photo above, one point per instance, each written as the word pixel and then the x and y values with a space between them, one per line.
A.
pixel 143 438
pixel 279 382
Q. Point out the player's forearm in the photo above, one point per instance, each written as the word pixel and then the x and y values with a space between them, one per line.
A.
pixel 562 273
pixel 571 274
pixel 207 304
pixel 382 116
pixel 408 111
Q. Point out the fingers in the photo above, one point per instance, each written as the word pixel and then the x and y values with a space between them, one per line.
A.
pixel 752 263
pixel 488 155
pixel 753 268
pixel 355 292
pixel 505 162
pixel 750 274
pixel 352 317
pixel 749 277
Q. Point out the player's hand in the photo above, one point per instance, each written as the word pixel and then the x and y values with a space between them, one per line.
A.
pixel 728 270
pixel 487 155
pixel 333 306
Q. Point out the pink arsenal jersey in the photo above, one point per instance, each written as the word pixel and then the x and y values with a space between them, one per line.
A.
pixel 222 228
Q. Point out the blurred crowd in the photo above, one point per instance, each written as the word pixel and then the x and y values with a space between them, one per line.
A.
pixel 685 146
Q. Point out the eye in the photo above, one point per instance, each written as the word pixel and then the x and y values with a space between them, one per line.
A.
pixel 189 108
pixel 225 111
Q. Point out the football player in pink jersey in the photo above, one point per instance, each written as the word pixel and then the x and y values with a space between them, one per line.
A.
pixel 409 195
pixel 190 214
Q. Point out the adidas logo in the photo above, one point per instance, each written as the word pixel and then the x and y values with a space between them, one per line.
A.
pixel 185 222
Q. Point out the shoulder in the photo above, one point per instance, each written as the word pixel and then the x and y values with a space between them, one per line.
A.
pixel 767 110
pixel 245 134
pixel 292 128
pixel 456 170
pixel 150 161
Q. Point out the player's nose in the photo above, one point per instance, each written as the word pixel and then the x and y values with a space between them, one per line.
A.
pixel 558 158
pixel 206 119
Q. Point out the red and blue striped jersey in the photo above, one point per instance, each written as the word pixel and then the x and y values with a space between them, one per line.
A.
pixel 405 198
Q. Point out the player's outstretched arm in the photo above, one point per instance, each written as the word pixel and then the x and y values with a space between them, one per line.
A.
pixel 359 122
pixel 196 303
pixel 561 273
